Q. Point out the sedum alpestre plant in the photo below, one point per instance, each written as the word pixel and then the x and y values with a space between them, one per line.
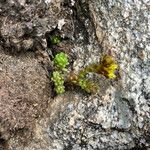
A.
pixel 106 67
pixel 61 60
pixel 58 79
pixel 55 40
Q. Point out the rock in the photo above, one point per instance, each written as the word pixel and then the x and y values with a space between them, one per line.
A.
pixel 115 118
pixel 24 24
pixel 24 93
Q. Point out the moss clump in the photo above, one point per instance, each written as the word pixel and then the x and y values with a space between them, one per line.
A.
pixel 61 60
pixel 108 67
pixel 88 86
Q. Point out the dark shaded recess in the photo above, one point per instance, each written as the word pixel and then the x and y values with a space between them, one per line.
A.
pixel 147 135
pixel 69 147
pixel 146 96
pixel 52 86
pixel 139 145
pixel 120 129
pixel 139 148
pixel 2 40
pixel 66 3
pixel 131 104
pixel 83 144
pixel 49 36
pixel 29 1
pixel 95 126
pixel 80 15
pixel 3 144
pixel 3 1
pixel 24 135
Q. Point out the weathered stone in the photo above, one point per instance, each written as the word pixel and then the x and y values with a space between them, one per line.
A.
pixel 118 117
pixel 24 93
pixel 23 20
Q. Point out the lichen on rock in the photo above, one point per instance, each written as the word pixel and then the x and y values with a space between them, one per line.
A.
pixel 115 118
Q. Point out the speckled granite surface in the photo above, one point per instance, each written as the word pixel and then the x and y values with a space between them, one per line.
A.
pixel 118 117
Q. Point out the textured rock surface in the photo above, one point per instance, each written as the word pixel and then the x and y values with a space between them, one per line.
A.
pixel 24 94
pixel 118 117
pixel 24 23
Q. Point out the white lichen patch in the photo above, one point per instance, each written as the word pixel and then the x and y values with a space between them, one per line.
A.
pixel 61 23
pixel 72 2
pixel 48 1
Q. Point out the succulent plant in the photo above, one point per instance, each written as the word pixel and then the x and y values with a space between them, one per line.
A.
pixel 106 67
pixel 58 80
pixel 55 39
pixel 61 60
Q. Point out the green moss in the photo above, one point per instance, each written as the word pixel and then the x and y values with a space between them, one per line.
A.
pixel 88 85
pixel 106 67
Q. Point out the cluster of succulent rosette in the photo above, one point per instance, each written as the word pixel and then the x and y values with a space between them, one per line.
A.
pixel 60 61
pixel 58 80
pixel 106 67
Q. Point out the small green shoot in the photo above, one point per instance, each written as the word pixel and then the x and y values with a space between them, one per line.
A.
pixel 61 60
pixel 55 40
pixel 107 67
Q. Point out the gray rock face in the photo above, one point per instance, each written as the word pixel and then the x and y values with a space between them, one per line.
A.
pixel 118 117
